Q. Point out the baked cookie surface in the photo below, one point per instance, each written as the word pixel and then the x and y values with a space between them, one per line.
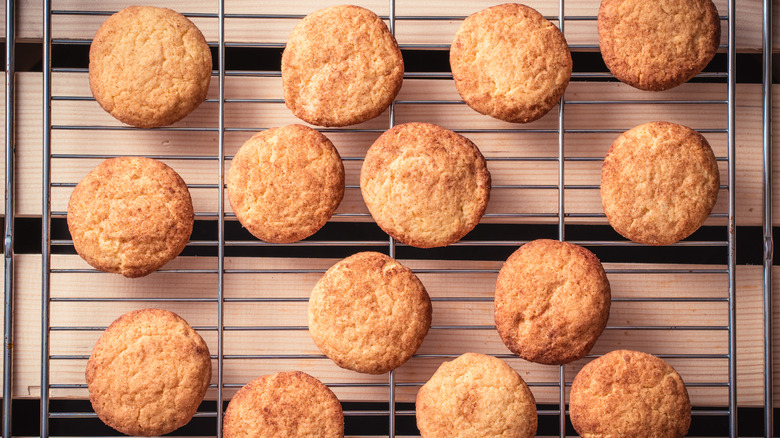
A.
pixel 476 396
pixel 425 185
pixel 148 373
pixel 629 394
pixel 149 66
pixel 551 302
pixel 130 215
pixel 285 183
pixel 659 183
pixel 369 313
pixel 284 405
pixel 511 63
pixel 341 66
pixel 657 45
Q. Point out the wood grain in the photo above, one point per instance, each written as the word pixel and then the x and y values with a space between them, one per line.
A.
pixel 249 117
pixel 275 331
pixel 409 31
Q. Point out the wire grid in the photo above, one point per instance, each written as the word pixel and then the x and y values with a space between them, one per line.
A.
pixel 391 413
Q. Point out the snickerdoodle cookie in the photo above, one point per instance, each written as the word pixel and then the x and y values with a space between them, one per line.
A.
pixel 130 215
pixel 511 63
pixel 341 66
pixel 369 313
pixel 629 394
pixel 552 301
pixel 425 185
pixel 149 66
pixel 148 373
pixel 285 183
pixel 476 396
pixel 657 45
pixel 284 405
pixel 659 183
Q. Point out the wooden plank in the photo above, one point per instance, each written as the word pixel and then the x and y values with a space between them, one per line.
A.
pixel 748 16
pixel 352 145
pixel 452 285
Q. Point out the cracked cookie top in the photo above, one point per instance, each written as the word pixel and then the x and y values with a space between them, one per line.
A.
pixel 341 66
pixel 285 183
pixel 369 313
pixel 149 66
pixel 148 373
pixel 629 394
pixel 659 183
pixel 551 302
pixel 511 63
pixel 660 44
pixel 130 215
pixel 476 396
pixel 284 405
pixel 425 185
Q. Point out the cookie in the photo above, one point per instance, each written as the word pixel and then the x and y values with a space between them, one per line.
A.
pixel 511 63
pixel 659 183
pixel 149 66
pixel 476 396
pixel 426 186
pixel 629 394
pixel 369 313
pixel 148 373
pixel 285 183
pixel 130 215
pixel 551 302
pixel 284 405
pixel 657 45
pixel 341 66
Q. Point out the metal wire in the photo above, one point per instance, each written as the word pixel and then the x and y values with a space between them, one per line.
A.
pixel 561 215
pixel 46 222
pixel 221 224
pixel 561 222
pixel 732 225
pixel 767 221
pixel 8 242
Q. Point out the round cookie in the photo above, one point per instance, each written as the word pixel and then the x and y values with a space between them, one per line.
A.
pixel 285 183
pixel 369 313
pixel 284 405
pixel 629 394
pixel 659 182
pixel 341 66
pixel 551 302
pixel 657 45
pixel 476 396
pixel 148 373
pixel 425 185
pixel 130 215
pixel 149 66
pixel 511 63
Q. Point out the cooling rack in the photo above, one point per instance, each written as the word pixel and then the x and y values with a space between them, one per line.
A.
pixel 248 298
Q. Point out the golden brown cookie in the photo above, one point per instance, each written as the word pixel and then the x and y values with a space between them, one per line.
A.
pixel 511 63
pixel 659 183
pixel 285 183
pixel 657 45
pixel 284 405
pixel 629 394
pixel 148 373
pixel 130 215
pixel 369 313
pixel 341 66
pixel 552 301
pixel 476 396
pixel 425 185
pixel 149 66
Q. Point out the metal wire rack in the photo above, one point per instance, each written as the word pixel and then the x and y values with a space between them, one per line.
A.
pixel 220 326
